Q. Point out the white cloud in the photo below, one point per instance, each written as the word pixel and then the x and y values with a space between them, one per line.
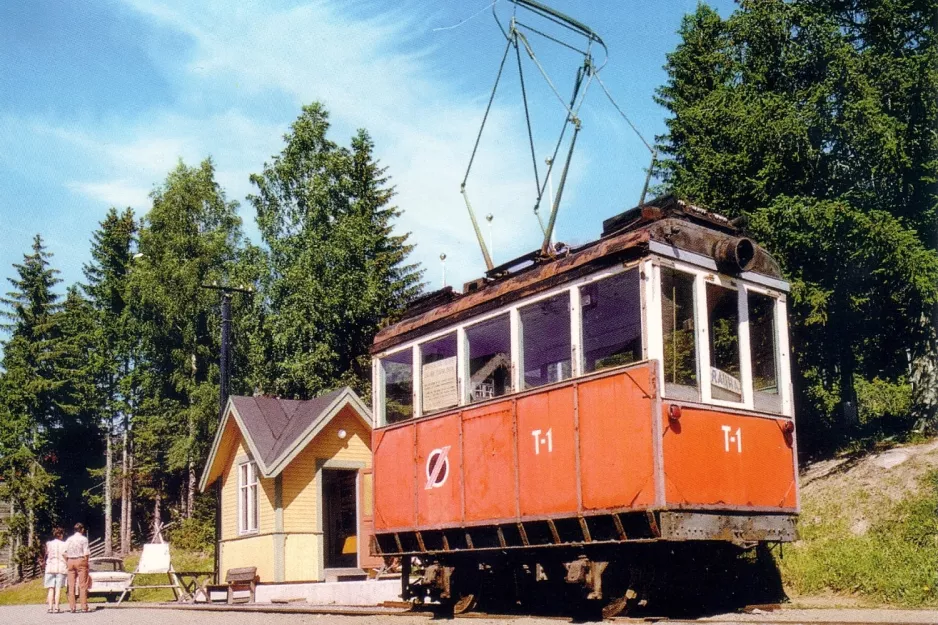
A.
pixel 369 72
pixel 114 192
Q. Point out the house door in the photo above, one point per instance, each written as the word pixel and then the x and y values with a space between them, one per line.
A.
pixel 340 518
pixel 366 521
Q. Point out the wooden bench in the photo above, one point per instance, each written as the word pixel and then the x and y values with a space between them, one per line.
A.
pixel 241 579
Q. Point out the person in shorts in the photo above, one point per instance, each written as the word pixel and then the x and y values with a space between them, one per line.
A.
pixel 56 568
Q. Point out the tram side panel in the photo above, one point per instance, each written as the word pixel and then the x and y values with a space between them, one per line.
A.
pixel 721 460
pixel 394 476
pixel 568 450
pixel 547 453
pixel 489 461
pixel 616 440
pixel 439 471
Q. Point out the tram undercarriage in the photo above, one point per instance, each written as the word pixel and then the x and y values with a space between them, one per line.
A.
pixel 668 562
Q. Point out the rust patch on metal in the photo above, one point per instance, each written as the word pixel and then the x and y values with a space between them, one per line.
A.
pixel 528 282
pixel 668 226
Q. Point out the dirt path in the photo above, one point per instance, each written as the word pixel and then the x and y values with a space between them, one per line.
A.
pixel 28 615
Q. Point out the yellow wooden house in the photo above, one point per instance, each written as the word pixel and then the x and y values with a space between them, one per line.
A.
pixel 295 485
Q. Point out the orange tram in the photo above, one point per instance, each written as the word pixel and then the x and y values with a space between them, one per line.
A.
pixel 591 425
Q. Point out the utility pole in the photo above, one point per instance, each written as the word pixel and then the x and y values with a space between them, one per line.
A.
pixel 224 385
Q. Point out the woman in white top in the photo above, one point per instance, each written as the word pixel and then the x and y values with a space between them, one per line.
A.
pixel 56 567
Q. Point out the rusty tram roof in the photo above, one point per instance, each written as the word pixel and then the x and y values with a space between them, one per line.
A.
pixel 669 221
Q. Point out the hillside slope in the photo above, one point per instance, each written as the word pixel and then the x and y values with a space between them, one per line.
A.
pixel 869 528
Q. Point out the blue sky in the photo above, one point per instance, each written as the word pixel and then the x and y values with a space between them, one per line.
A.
pixel 99 100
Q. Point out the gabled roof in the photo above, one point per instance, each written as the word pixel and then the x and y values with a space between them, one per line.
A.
pixel 276 430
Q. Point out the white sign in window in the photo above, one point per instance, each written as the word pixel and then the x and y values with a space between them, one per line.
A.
pixel 439 385
pixel 439 374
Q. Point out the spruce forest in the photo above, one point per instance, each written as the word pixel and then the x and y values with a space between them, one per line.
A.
pixel 814 119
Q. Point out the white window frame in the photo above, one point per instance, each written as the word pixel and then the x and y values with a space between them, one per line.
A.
pixel 464 365
pixel 781 343
pixel 517 351
pixel 248 490
pixel 652 333
pixel 461 362
pixel 378 392
pixel 701 278
pixel 576 315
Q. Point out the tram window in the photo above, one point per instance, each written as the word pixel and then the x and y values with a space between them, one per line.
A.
pixel 489 358
pixel 764 351
pixel 398 386
pixel 438 377
pixel 545 336
pixel 680 337
pixel 612 321
pixel 723 319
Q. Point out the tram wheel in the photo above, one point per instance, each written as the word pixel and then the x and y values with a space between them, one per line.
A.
pixel 615 607
pixel 619 605
pixel 466 603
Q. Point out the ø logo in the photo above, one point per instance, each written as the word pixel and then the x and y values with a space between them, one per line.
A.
pixel 437 467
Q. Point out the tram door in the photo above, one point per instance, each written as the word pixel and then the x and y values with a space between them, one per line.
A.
pixel 340 518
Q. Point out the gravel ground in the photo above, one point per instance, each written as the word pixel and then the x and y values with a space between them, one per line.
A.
pixel 27 615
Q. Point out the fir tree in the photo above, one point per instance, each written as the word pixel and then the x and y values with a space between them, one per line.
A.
pixel 337 270
pixel 190 238
pixel 30 390
pixel 106 286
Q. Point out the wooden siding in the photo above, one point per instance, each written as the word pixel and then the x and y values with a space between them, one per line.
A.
pixel 6 552
pixel 303 545
pixel 229 495
pixel 301 557
pixel 251 551
pixel 300 491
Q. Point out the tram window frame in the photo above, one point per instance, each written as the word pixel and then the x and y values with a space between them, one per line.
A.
pixel 382 387
pixel 422 349
pixel 720 377
pixel 652 337
pixel 631 314
pixel 675 390
pixel 764 401
pixel 565 374
pixel 507 384
pixel 742 286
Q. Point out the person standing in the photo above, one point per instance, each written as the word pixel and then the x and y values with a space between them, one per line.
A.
pixel 56 568
pixel 76 554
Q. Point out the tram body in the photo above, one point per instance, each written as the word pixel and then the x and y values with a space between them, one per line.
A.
pixel 632 392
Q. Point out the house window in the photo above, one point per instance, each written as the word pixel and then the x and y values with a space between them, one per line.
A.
pixel 612 321
pixel 247 498
pixel 545 327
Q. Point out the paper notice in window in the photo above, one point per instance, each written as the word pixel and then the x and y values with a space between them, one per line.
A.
pixel 725 381
pixel 439 384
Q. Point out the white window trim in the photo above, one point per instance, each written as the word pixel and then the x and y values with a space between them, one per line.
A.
pixel 702 277
pixel 652 334
pixel 577 360
pixel 248 498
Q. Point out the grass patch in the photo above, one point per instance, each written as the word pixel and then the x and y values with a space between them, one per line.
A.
pixel 892 560
pixel 32 592
pixel 26 593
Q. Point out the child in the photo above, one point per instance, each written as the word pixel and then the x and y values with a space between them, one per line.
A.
pixel 55 569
